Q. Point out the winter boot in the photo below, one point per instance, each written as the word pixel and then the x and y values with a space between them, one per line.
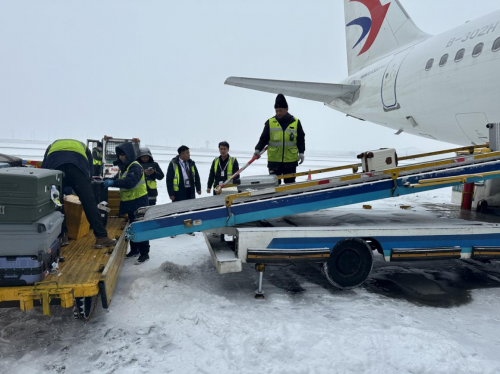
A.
pixel 64 240
pixel 132 254
pixel 142 259
pixel 104 242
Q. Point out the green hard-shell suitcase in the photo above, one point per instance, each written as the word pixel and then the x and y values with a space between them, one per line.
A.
pixel 25 193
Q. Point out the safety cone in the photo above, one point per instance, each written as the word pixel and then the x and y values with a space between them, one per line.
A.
pixel 309 176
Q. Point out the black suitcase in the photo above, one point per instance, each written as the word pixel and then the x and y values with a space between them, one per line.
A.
pixel 26 270
pixel 101 196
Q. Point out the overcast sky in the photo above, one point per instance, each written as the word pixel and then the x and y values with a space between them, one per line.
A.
pixel 155 68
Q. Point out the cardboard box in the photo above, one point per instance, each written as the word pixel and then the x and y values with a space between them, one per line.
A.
pixel 76 221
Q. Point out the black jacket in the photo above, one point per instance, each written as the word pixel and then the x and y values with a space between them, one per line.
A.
pixel 157 176
pixel 284 122
pixel 216 176
pixel 194 180
pixel 133 177
pixel 56 159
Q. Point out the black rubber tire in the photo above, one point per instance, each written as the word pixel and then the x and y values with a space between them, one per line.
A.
pixel 350 263
pixel 482 206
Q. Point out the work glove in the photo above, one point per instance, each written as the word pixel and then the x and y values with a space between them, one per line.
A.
pixel 109 183
pixel 257 153
pixel 301 158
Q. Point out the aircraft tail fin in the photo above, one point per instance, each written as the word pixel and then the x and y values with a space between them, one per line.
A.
pixel 375 28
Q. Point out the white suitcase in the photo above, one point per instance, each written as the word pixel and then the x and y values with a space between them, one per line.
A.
pixel 257 182
pixel 494 135
pixel 384 158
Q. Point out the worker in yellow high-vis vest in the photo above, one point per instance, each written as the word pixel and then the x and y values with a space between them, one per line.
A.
pixel 183 179
pixel 97 160
pixel 223 168
pixel 153 173
pixel 285 140
pixel 133 193
pixel 74 159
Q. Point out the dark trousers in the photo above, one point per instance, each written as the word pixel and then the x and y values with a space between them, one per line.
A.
pixel 97 170
pixel 80 184
pixel 188 196
pixel 138 247
pixel 152 200
pixel 284 170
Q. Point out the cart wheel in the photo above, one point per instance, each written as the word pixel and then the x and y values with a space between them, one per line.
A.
pixel 84 307
pixel 349 264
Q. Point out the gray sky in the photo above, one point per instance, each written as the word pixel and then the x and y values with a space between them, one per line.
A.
pixel 155 68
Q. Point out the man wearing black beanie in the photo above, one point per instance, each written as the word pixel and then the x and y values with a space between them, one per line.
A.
pixel 285 138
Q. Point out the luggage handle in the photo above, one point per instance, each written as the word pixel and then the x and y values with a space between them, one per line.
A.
pixel 17 275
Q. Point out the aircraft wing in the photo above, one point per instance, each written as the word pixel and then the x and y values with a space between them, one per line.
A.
pixel 322 92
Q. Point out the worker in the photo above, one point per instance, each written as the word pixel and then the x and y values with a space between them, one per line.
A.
pixel 183 178
pixel 153 173
pixel 74 159
pixel 133 193
pixel 97 157
pixel 285 138
pixel 223 168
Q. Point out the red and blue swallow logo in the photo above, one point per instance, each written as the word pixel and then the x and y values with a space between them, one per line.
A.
pixel 371 26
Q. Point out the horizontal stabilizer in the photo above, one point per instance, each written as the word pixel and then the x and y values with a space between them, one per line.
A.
pixel 322 92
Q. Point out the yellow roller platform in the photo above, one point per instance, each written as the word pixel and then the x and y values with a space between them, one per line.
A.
pixel 85 273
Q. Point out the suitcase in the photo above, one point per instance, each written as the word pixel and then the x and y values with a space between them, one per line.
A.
pixel 257 182
pixel 494 135
pixel 382 159
pixel 25 193
pixel 26 270
pixel 101 198
pixel 11 160
pixel 28 239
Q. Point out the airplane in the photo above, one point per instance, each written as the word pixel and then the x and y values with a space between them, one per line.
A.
pixel 442 87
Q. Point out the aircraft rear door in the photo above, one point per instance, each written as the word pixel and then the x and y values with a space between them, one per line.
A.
pixel 390 80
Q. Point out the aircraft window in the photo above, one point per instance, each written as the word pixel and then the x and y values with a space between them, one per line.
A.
pixel 429 64
pixel 496 45
pixel 477 50
pixel 460 55
pixel 443 60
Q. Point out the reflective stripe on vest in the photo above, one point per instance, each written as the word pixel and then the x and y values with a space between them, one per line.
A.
pixel 229 167
pixel 97 160
pixel 69 145
pixel 136 192
pixel 177 175
pixel 282 146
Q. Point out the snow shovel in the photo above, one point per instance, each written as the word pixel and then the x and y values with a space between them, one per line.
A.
pixel 219 188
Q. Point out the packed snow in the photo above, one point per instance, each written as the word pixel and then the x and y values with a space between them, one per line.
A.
pixel 176 314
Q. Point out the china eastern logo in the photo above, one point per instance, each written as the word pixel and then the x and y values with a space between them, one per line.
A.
pixel 370 25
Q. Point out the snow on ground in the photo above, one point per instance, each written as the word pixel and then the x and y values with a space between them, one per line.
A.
pixel 176 314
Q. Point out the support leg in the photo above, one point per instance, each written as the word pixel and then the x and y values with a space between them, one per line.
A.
pixel 259 294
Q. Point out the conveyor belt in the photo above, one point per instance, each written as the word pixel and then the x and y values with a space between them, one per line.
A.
pixel 213 212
